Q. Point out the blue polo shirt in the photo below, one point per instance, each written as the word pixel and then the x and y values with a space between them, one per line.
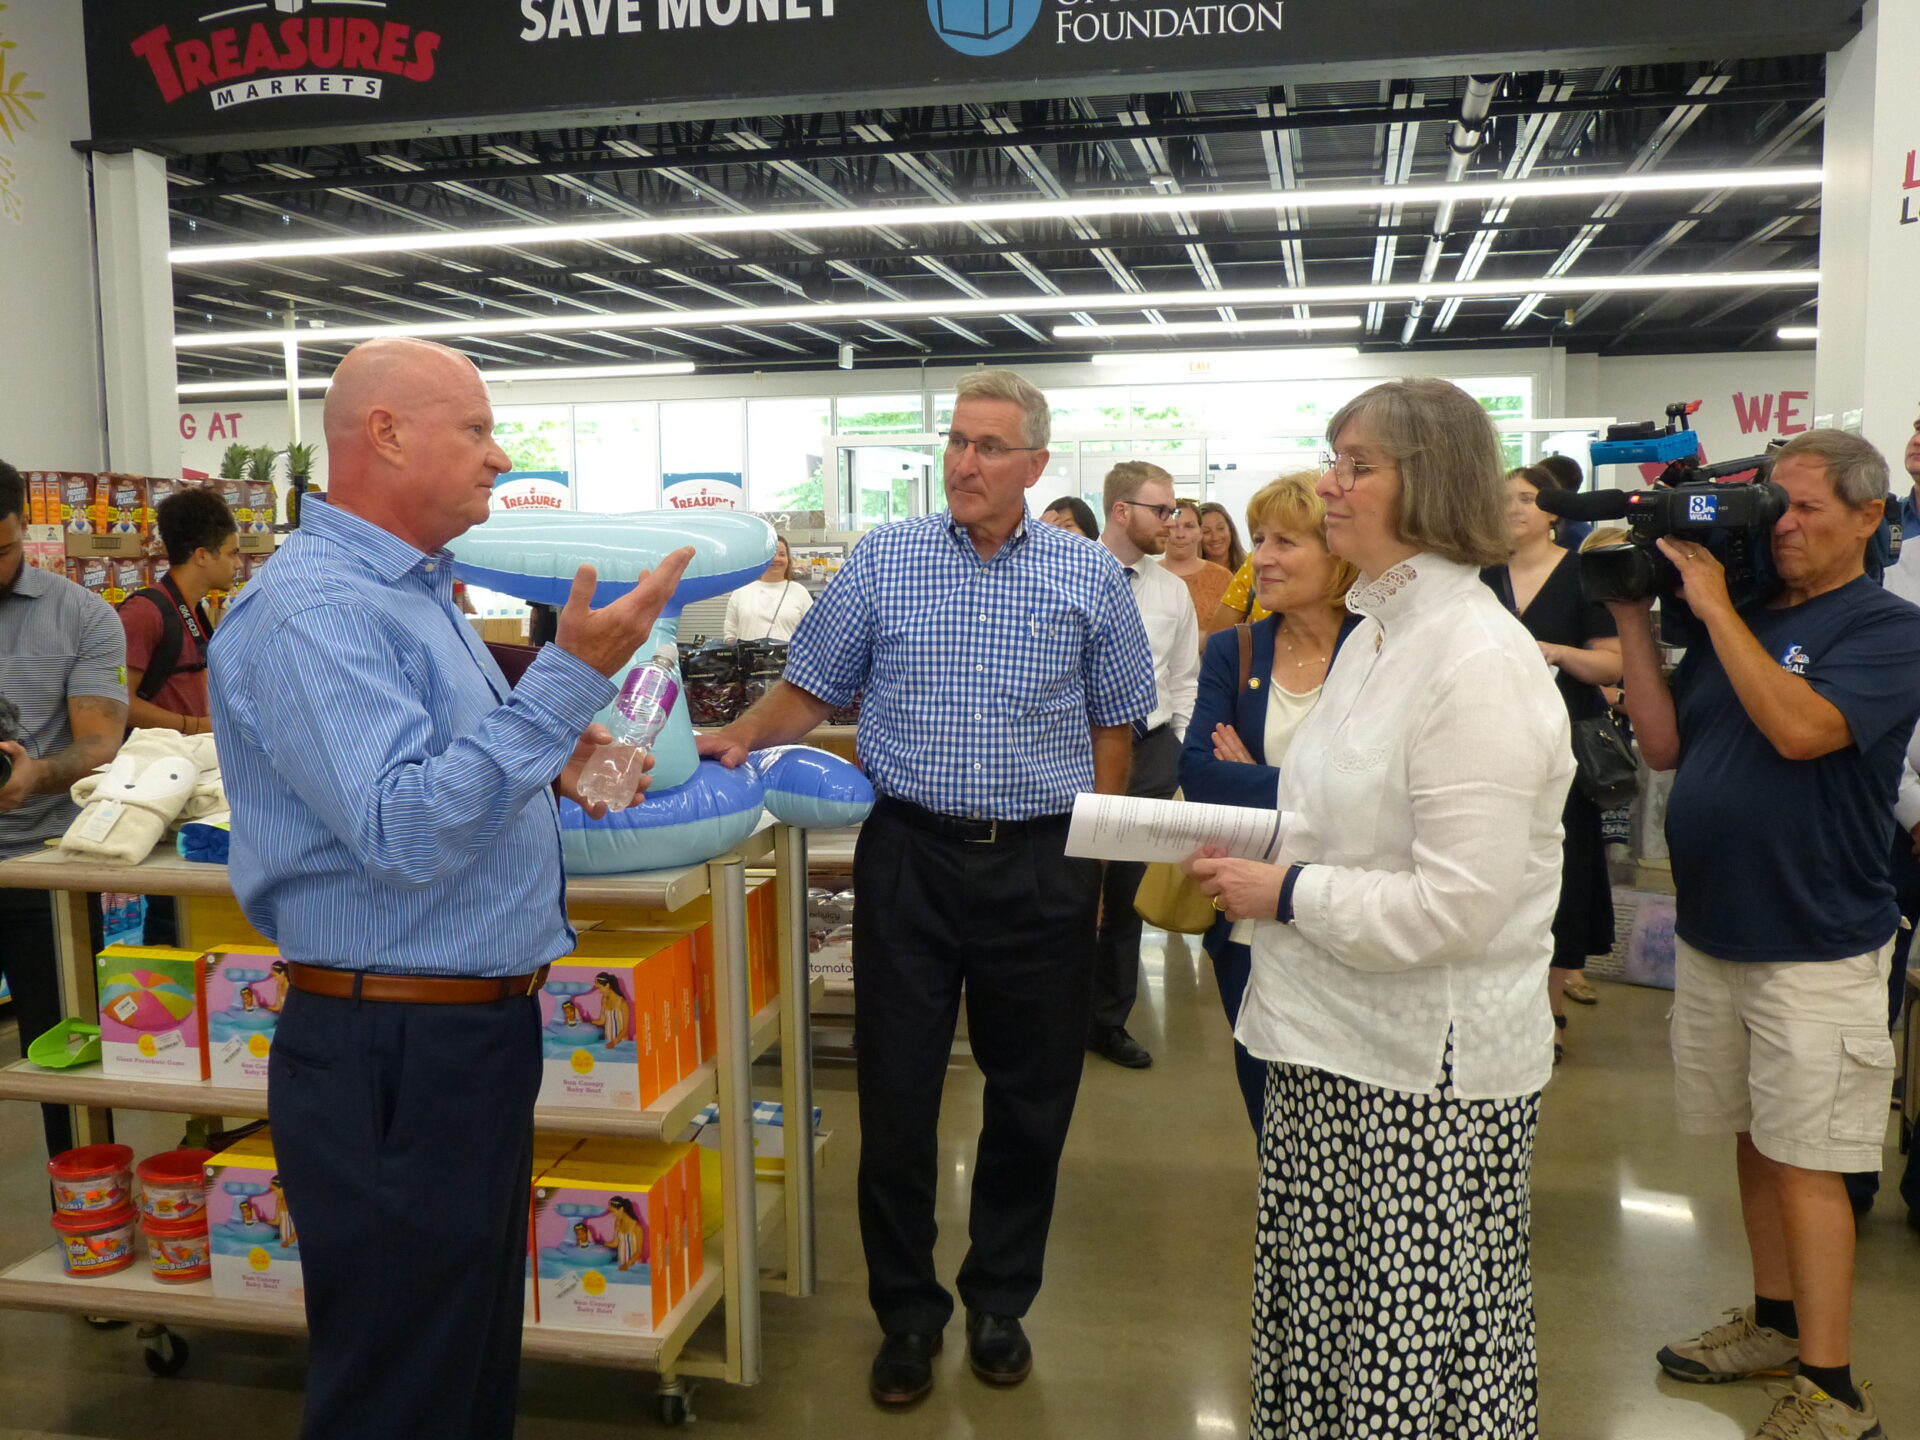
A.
pixel 1777 859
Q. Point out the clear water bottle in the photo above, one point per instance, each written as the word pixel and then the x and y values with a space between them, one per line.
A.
pixel 612 777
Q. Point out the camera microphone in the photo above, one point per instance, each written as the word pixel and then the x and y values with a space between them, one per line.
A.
pixel 1584 504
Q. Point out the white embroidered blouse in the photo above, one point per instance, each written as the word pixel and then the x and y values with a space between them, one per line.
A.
pixel 1424 791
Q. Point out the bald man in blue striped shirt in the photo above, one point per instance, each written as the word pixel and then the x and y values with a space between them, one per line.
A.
pixel 395 833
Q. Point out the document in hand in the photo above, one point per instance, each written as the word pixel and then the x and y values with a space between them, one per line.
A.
pixel 1126 827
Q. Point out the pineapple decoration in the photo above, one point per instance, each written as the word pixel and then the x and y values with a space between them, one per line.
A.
pixel 260 466
pixel 233 463
pixel 299 479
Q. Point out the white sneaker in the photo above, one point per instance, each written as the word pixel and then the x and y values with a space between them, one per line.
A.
pixel 1737 1349
pixel 1803 1411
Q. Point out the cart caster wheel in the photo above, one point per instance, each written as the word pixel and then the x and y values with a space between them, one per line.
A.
pixel 673 1409
pixel 167 1354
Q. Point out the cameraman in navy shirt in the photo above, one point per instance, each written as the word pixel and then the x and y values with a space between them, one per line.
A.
pixel 1787 732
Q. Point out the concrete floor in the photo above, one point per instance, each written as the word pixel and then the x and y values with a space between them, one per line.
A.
pixel 1142 1328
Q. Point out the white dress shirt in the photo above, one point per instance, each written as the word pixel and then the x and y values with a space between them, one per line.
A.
pixel 766 610
pixel 1173 635
pixel 1424 791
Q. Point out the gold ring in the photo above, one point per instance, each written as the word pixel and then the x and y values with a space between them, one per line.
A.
pixel 1218 906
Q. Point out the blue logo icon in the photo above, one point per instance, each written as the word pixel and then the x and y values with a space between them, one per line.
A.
pixel 1703 509
pixel 983 27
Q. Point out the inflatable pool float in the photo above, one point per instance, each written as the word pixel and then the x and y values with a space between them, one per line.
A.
pixel 695 809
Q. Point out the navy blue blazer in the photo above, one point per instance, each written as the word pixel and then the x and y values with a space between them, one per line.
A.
pixel 1220 700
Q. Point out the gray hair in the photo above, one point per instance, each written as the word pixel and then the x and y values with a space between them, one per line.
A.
pixel 1857 470
pixel 1453 497
pixel 1005 385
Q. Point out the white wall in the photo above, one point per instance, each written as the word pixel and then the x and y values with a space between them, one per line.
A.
pixel 50 401
pixel 1748 398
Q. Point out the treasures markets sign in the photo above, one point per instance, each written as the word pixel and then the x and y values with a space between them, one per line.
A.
pixel 208 74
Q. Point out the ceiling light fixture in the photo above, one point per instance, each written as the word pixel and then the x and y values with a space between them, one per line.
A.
pixel 960 306
pixel 1798 332
pixel 1306 355
pixel 1203 327
pixel 1005 213
pixel 492 377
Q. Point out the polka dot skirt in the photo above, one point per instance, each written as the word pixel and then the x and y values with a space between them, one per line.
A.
pixel 1392 1291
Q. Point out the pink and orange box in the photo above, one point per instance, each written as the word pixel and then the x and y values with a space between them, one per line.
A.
pixel 253 1244
pixel 615 1233
pixel 619 1023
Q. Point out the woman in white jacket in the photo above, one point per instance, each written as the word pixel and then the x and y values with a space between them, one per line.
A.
pixel 1399 984
pixel 770 608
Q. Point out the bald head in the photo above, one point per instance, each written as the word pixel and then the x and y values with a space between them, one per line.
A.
pixel 410 440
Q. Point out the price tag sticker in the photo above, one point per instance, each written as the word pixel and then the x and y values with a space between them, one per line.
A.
pixel 97 824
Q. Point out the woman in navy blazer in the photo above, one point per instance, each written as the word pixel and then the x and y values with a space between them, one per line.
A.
pixel 1291 566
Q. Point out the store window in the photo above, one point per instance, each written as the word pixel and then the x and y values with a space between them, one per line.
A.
pixel 703 437
pixel 617 450
pixel 1089 408
pixel 536 437
pixel 786 446
pixel 880 415
pixel 1505 398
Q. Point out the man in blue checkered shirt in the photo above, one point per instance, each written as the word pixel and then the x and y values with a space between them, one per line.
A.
pixel 1001 665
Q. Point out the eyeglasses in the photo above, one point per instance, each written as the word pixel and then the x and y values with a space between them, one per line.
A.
pixel 1164 512
pixel 1347 471
pixel 988 449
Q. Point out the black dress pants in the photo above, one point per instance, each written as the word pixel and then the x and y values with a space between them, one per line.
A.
pixel 1116 964
pixel 29 962
pixel 1010 923
pixel 404 1135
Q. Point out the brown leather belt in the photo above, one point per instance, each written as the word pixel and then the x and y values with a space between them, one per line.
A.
pixel 410 989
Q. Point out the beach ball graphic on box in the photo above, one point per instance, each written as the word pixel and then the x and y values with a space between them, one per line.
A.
pixel 152 1013
pixel 246 987
pixel 255 1245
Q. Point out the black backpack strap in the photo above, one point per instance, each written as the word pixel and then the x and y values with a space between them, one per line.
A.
pixel 166 654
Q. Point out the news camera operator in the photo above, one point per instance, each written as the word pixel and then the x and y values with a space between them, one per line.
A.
pixel 1786 727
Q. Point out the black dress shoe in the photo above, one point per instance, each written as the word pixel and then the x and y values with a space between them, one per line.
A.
pixel 997 1348
pixel 1114 1043
pixel 903 1369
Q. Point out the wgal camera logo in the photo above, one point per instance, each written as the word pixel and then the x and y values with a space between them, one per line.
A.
pixel 1702 509
pixel 983 27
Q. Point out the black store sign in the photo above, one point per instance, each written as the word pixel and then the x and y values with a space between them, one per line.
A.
pixel 203 74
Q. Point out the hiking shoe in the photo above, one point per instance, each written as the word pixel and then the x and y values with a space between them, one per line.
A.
pixel 1736 1349
pixel 1803 1411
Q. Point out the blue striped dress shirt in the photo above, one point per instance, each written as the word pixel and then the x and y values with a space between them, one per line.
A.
pixel 979 678
pixel 391 794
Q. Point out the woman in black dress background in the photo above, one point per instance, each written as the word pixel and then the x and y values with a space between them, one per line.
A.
pixel 1541 585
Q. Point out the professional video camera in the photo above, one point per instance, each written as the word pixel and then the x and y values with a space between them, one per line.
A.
pixel 1732 518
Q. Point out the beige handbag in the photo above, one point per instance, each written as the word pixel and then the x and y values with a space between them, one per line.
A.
pixel 1168 898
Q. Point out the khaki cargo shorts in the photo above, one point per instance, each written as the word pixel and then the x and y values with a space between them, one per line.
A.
pixel 1797 1054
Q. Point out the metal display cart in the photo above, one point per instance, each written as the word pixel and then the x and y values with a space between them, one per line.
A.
pixel 714 1333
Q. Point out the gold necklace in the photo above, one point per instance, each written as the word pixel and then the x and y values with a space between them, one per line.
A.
pixel 1286 637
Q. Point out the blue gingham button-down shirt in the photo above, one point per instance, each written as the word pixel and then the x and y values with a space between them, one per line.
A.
pixel 979 678
pixel 391 794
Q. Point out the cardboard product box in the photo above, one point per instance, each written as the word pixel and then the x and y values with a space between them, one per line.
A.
pixel 246 986
pixel 261 506
pixel 76 495
pixel 46 547
pixel 127 502
pixel 549 1149
pixel 606 1022
pixel 256 542
pixel 124 576
pixel 43 498
pixel 610 1236
pixel 763 957
pixel 159 488
pixel 153 1012
pixel 234 492
pixel 254 1245
pixel 86 545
